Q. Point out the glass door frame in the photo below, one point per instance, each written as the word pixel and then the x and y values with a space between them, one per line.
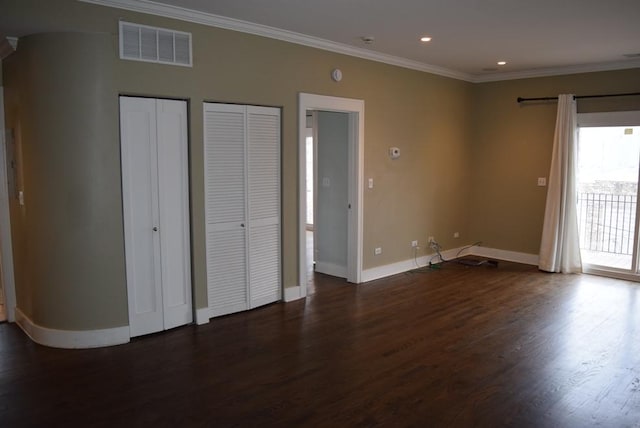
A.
pixel 616 119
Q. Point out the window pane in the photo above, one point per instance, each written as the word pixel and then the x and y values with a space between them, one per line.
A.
pixel 608 160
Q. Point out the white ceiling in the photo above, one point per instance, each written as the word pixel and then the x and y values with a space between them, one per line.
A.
pixel 469 36
pixel 535 37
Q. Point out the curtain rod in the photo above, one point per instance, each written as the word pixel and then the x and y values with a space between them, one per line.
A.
pixel 578 97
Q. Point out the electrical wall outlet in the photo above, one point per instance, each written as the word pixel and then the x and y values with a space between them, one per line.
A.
pixel 414 243
pixel 456 234
pixel 377 251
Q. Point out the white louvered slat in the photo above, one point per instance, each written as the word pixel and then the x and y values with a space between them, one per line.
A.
pixel 242 206
pixel 264 204
pixel 183 48
pixel 130 40
pixel 165 46
pixel 226 270
pixel 225 173
pixel 264 256
pixel 149 44
pixel 224 147
pixel 264 162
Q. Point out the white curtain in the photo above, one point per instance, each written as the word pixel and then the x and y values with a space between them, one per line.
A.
pixel 560 247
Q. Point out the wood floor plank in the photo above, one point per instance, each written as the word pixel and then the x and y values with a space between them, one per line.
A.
pixel 455 347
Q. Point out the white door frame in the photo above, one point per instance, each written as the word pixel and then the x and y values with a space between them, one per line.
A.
pixel 6 251
pixel 355 109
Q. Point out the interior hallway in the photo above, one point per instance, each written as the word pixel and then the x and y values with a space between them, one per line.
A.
pixel 311 287
pixel 3 311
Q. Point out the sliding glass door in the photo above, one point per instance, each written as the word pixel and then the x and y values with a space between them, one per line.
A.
pixel 608 172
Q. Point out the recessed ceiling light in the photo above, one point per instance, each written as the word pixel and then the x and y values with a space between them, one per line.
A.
pixel 425 39
pixel 502 62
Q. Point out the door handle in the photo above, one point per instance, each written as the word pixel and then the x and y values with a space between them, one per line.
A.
pixel 155 228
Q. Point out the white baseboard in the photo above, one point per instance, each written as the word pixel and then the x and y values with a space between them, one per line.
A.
pixel 404 266
pixel 72 339
pixel 407 265
pixel 331 269
pixel 391 269
pixel 202 316
pixel 509 256
pixel 292 293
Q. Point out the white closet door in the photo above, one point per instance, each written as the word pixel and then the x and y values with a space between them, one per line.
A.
pixel 225 188
pixel 140 208
pixel 173 202
pixel 263 126
pixel 155 205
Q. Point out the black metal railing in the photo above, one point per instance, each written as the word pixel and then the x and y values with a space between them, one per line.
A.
pixel 607 222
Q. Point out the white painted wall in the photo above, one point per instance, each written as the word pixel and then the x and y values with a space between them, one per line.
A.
pixel 332 198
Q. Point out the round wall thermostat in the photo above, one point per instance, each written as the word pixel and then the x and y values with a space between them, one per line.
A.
pixel 336 75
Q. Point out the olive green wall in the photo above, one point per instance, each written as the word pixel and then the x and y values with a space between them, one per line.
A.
pixel 512 146
pixel 67 236
pixel 425 192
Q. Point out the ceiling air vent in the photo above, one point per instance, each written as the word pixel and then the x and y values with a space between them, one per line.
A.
pixel 151 44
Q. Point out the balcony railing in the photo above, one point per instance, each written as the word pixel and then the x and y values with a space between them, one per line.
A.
pixel 607 222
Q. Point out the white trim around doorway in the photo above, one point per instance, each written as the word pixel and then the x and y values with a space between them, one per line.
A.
pixel 355 109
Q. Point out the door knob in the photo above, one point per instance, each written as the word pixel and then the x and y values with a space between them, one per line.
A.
pixel 155 228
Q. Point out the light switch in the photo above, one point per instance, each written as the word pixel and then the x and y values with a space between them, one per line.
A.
pixel 542 181
pixel 371 183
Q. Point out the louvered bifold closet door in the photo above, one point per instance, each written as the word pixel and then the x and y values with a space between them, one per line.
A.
pixel 263 127
pixel 225 199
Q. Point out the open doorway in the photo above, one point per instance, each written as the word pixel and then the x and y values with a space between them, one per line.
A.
pixel 327 185
pixel 608 171
pixel 7 288
pixel 352 113
pixel 310 146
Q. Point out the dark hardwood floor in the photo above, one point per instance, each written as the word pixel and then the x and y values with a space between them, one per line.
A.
pixel 455 347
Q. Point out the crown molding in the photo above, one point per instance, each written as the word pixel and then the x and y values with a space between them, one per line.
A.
pixel 168 11
pixel 211 20
pixel 556 71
